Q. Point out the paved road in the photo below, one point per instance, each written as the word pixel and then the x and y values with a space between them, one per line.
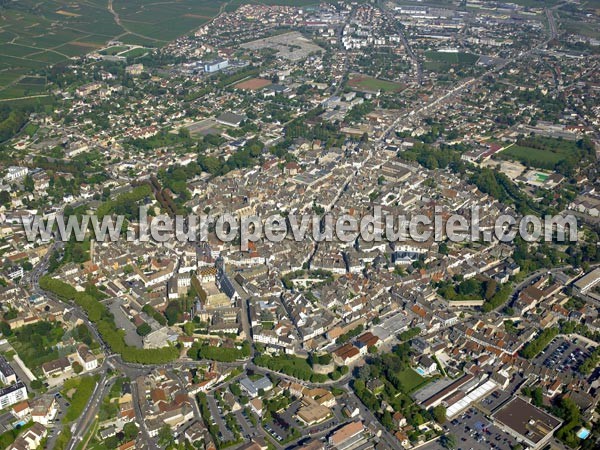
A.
pixel 90 412
pixel 137 402
pixel 195 407
pixel 409 51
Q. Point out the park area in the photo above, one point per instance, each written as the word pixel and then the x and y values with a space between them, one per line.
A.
pixel 369 84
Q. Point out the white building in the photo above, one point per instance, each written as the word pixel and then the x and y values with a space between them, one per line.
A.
pixel 216 65
pixel 15 272
pixel 86 358
pixel 15 173
pixel 12 394
pixel 7 374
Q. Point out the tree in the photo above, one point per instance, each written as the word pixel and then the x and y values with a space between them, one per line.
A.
pixel 130 430
pixel 111 442
pixel 165 437
pixel 188 328
pixel 144 329
pixel 28 183
pixel 364 372
pixel 184 133
pixel 77 368
pixel 443 248
pixel 439 414
pixel 448 441
pixel 5 329
pixel 4 198
pixel 490 289
pixel 173 312
pixel 10 314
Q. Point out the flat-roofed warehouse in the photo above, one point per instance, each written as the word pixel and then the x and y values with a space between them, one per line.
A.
pixel 526 422
pixel 588 281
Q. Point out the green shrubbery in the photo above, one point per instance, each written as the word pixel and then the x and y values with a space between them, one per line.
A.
pixel 84 386
pixel 221 354
pixel 532 348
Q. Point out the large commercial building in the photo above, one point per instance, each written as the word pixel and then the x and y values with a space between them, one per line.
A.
pixel 216 65
pixel 348 436
pixel 588 281
pixel 526 422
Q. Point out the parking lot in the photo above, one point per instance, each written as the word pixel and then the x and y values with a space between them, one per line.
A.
pixel 278 428
pixel 474 431
pixel 495 399
pixel 217 415
pixel 248 429
pixel 563 356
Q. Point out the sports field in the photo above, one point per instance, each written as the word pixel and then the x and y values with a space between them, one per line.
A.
pixel 541 152
pixel 370 84
pixel 442 61
pixel 253 84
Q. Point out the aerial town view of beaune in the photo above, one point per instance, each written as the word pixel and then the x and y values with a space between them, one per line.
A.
pixel 299 224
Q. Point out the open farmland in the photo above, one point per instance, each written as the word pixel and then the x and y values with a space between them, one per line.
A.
pixel 35 34
pixel 162 22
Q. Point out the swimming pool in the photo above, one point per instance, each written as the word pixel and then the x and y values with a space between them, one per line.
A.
pixel 420 371
pixel 583 433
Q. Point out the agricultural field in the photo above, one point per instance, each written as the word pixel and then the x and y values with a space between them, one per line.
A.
pixel 234 4
pixel 370 84
pixel 162 22
pixel 443 61
pixel 36 34
pixel 583 28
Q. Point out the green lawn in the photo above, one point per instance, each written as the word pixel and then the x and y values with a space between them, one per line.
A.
pixel 541 152
pixel 411 380
pixel 114 50
pixel 83 389
pixel 374 84
pixel 442 61
pixel 531 155
pixel 135 52
pixel 8 437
